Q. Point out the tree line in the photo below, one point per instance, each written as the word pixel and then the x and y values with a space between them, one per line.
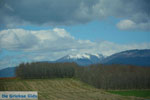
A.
pixel 41 70
pixel 101 76
pixel 115 76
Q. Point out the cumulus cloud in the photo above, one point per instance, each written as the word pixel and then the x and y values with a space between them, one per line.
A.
pixel 17 39
pixel 57 40
pixel 47 45
pixel 130 25
pixel 70 12
pixel 126 24
pixel 28 40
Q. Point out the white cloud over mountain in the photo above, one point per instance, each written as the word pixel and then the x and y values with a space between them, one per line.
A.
pixel 56 40
pixel 45 45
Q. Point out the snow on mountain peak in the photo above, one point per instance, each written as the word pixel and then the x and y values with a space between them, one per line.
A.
pixel 79 56
pixel 84 56
pixel 82 59
pixel 97 55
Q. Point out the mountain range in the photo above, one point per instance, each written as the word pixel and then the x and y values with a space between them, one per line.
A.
pixel 129 57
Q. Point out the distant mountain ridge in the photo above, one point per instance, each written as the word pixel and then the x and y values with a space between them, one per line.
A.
pixel 129 57
pixel 8 72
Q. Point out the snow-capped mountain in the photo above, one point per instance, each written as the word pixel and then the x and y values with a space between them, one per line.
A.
pixel 131 57
pixel 82 59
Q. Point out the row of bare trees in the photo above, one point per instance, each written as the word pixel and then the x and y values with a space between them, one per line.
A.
pixel 115 76
pixel 100 76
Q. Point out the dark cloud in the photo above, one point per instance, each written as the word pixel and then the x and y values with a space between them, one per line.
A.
pixel 53 12
pixel 69 12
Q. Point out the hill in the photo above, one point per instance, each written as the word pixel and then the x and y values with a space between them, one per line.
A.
pixel 8 72
pixel 60 89
pixel 129 57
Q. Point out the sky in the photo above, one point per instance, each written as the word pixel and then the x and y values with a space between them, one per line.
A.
pixel 45 30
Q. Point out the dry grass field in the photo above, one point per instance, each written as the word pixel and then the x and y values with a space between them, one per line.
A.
pixel 60 89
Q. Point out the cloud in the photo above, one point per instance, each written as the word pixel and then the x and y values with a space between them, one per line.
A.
pixel 135 11
pixel 17 39
pixel 130 25
pixel 108 48
pixel 28 40
pixel 126 24
pixel 46 45
pixel 69 12
pixel 45 12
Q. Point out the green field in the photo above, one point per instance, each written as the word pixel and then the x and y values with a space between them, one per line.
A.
pixel 60 89
pixel 137 93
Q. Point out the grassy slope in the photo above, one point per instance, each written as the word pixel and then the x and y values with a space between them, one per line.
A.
pixel 137 93
pixel 59 89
